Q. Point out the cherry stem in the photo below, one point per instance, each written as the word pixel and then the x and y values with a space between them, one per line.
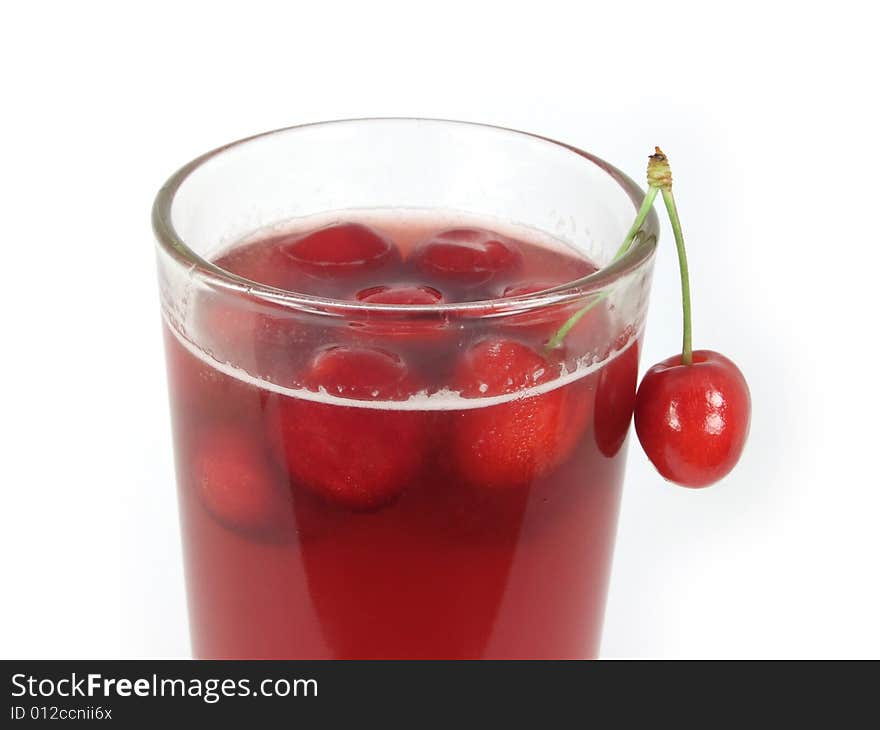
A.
pixel 687 357
pixel 659 180
pixel 647 204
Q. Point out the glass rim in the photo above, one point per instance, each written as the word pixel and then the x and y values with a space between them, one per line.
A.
pixel 639 252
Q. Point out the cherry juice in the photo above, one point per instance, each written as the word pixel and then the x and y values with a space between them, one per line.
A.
pixel 407 478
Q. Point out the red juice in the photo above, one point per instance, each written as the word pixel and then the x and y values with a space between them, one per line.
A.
pixel 439 485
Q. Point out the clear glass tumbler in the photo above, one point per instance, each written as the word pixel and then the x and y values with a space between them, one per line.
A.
pixel 471 523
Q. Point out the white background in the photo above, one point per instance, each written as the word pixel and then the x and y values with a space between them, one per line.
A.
pixel 768 113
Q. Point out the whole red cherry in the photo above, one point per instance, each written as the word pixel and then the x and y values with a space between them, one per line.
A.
pixel 508 444
pixel 692 410
pixel 380 324
pixel 615 399
pixel 236 481
pixel 693 420
pixel 468 257
pixel 340 249
pixel 354 456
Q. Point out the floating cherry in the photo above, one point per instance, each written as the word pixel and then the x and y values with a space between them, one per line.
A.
pixel 467 257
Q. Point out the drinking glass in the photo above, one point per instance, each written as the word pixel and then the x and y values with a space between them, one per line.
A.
pixel 458 565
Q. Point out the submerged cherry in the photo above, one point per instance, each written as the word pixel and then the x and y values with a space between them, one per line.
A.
pixel 359 456
pixel 616 398
pixel 409 327
pixel 693 420
pixel 236 481
pixel 361 373
pixel 511 443
pixel 400 294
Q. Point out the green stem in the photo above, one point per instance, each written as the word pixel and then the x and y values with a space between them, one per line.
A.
pixel 644 209
pixel 659 180
pixel 557 339
pixel 686 345
pixel 647 204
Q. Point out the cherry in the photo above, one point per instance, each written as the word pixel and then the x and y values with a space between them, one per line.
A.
pixel 360 373
pixel 508 444
pixel 540 322
pixel 589 335
pixel 467 257
pixel 339 250
pixel 616 399
pixel 355 456
pixel 693 420
pixel 401 326
pixel 400 294
pixel 576 414
pixel 497 366
pixel 692 410
pixel 236 482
